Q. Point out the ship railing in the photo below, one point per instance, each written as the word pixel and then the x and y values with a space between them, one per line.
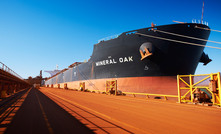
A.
pixel 148 95
pixel 109 38
pixel 134 94
pixel 7 69
pixel 200 22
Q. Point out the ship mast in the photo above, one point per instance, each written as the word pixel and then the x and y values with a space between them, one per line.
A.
pixel 202 13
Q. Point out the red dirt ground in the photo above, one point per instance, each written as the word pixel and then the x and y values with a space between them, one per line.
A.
pixel 120 114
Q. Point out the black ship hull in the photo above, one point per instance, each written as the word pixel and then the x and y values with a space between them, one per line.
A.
pixel 141 59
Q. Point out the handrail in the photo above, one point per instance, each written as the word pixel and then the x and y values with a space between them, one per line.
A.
pixel 147 94
pixel 7 69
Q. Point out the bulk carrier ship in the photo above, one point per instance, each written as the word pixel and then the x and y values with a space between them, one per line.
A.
pixel 145 60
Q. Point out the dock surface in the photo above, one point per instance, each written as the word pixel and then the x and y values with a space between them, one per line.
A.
pixel 51 110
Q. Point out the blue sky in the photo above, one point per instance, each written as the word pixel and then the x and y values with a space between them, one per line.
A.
pixel 39 34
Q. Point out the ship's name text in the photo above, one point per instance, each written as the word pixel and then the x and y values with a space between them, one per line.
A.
pixel 113 61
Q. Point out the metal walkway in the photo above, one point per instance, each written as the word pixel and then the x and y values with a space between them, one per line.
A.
pixel 10 82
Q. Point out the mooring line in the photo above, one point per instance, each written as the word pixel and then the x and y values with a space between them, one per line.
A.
pixel 183 42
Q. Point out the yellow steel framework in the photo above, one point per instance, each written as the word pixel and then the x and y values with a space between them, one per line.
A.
pixel 111 87
pixel 188 85
pixel 65 86
pixel 82 86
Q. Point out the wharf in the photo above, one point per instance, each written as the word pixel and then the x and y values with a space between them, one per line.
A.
pixel 52 110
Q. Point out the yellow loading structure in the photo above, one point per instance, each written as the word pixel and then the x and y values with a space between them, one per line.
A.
pixel 111 87
pixel 201 88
